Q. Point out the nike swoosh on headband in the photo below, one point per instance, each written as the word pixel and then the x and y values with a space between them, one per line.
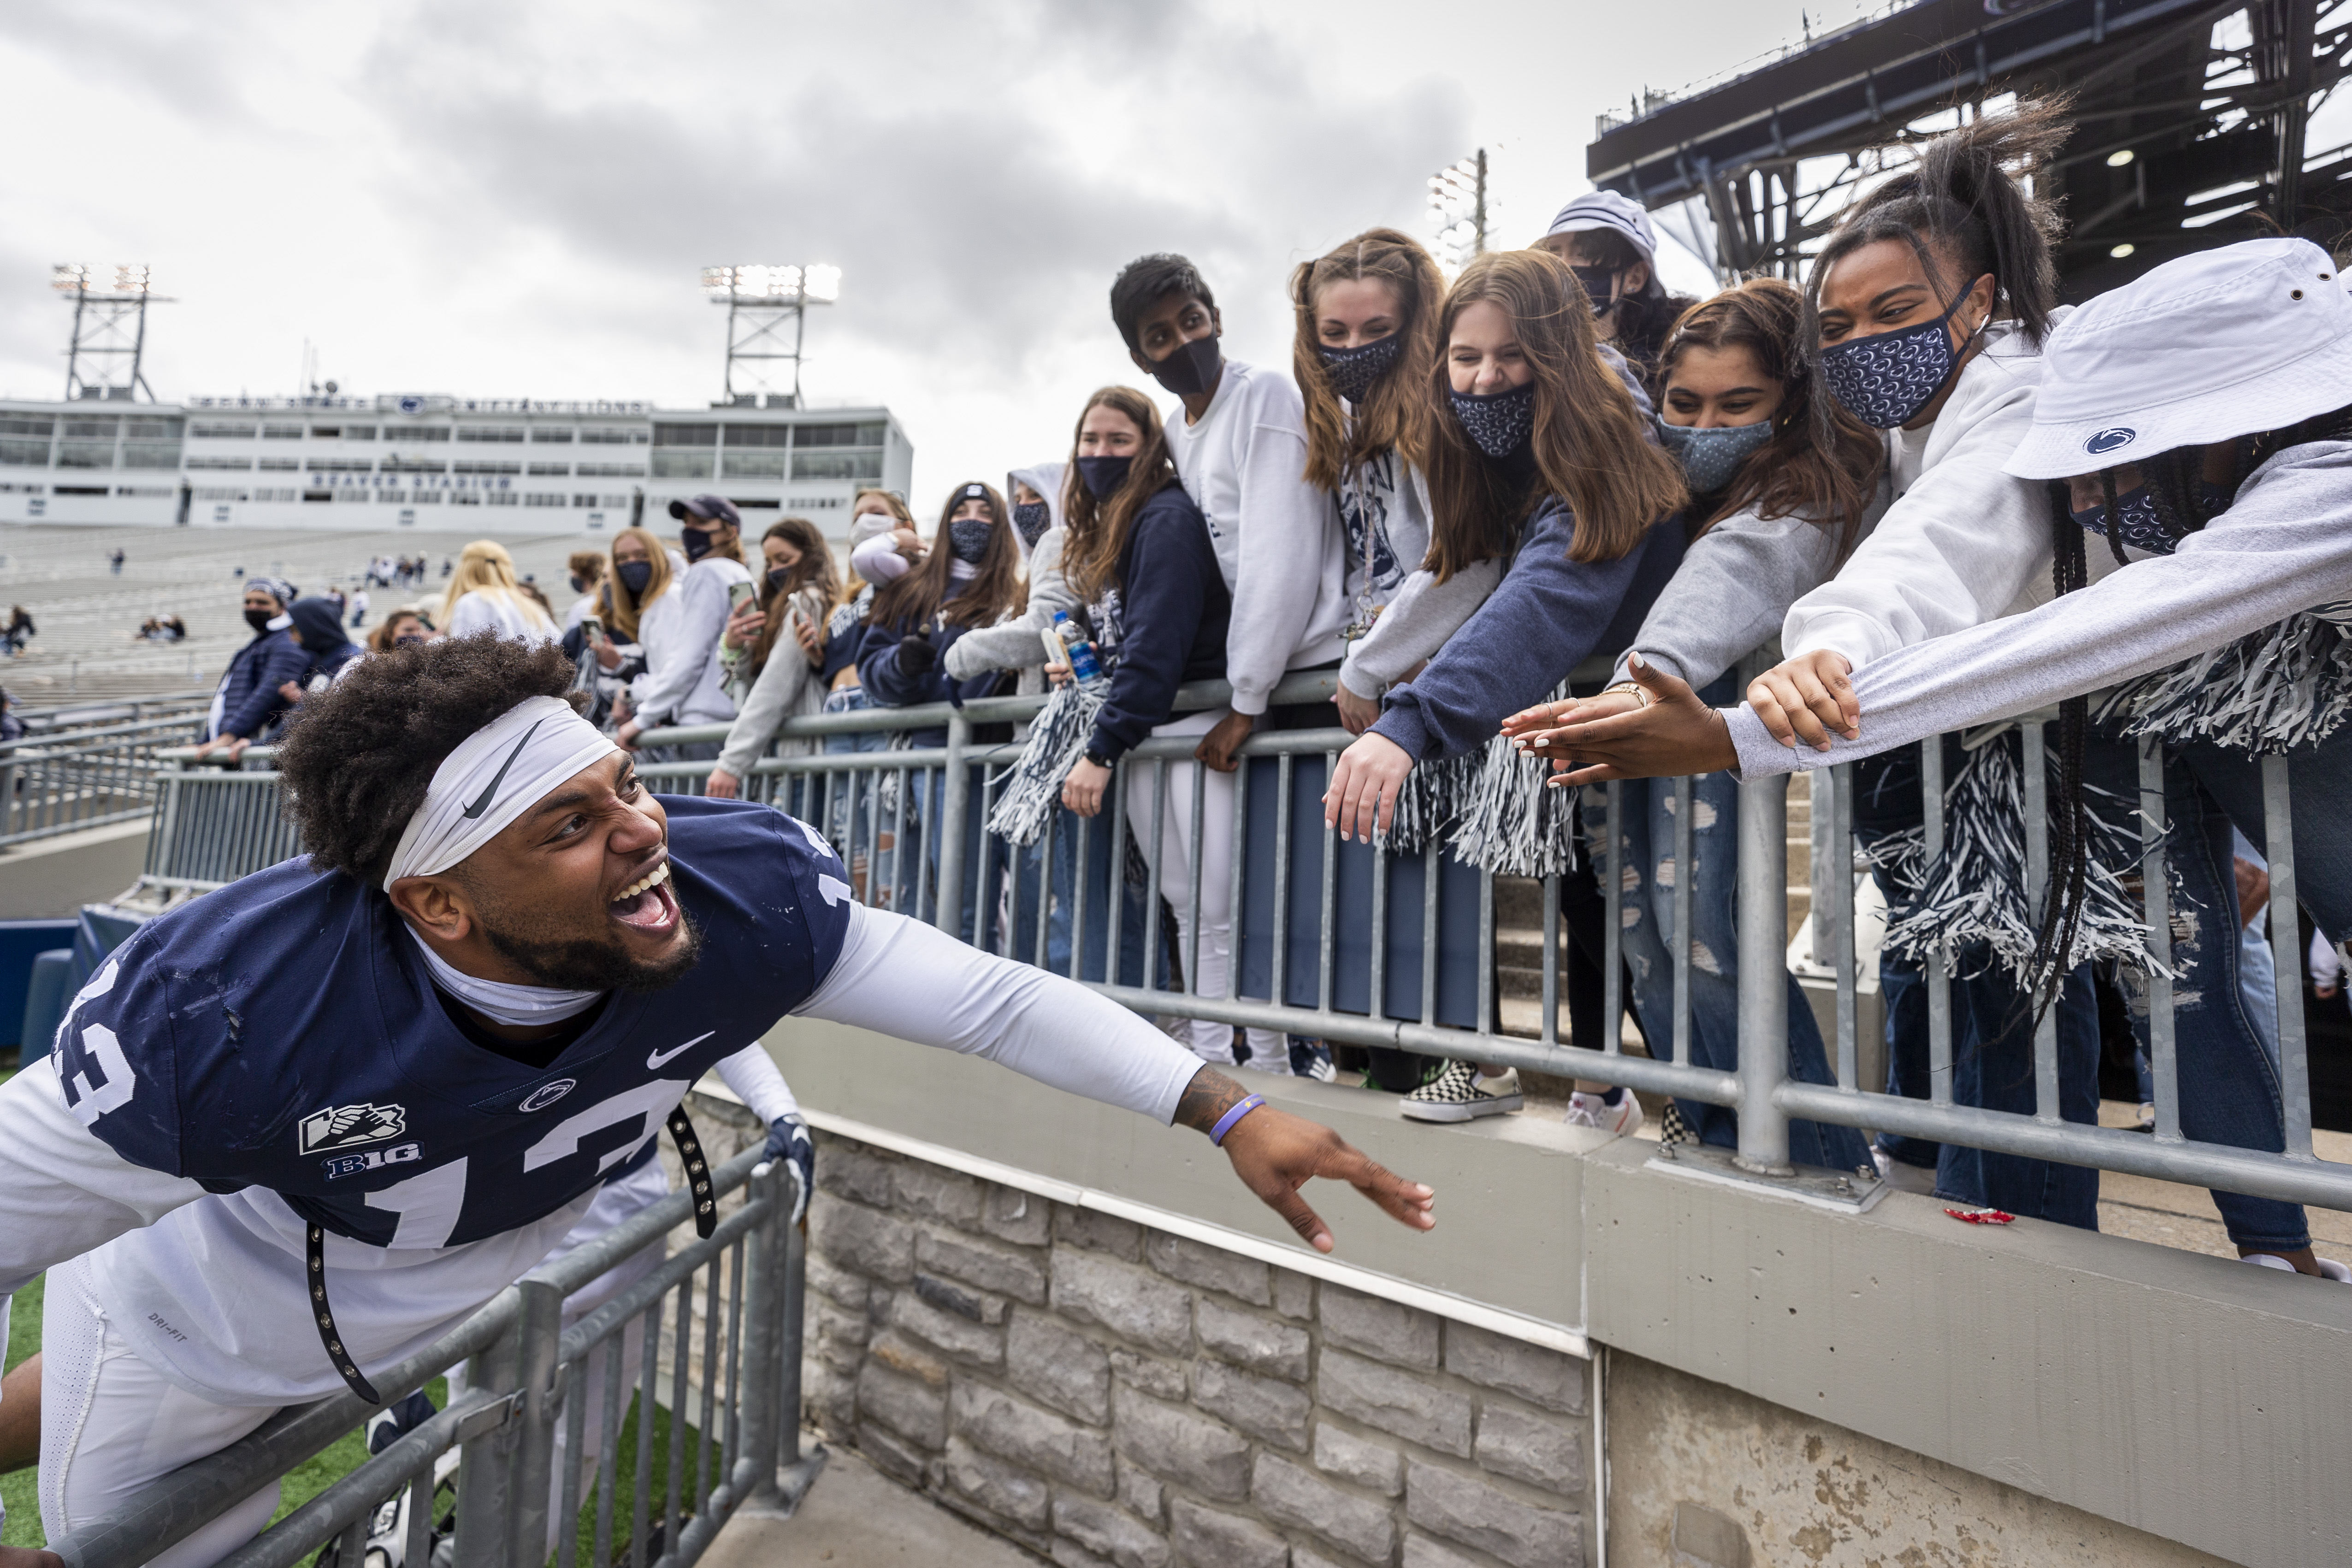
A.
pixel 656 1058
pixel 483 804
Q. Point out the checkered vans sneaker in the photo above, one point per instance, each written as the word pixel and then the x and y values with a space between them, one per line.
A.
pixel 1458 1094
pixel 1672 1128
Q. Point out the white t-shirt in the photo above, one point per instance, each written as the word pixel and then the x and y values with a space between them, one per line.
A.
pixel 1277 538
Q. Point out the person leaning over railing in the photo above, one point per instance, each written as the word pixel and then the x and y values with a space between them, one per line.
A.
pixel 873 515
pixel 2200 421
pixel 641 572
pixel 251 698
pixel 1545 461
pixel 1778 498
pixel 684 682
pixel 247 1193
pixel 971 579
pixel 1926 314
pixel 778 672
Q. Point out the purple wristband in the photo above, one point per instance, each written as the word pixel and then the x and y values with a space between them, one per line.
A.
pixel 1225 1122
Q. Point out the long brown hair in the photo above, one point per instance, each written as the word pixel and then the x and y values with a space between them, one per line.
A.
pixel 1589 444
pixel 1096 531
pixel 993 593
pixel 625 607
pixel 1794 474
pixel 815 570
pixel 1396 415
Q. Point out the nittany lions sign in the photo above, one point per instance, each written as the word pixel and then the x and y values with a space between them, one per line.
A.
pixel 341 1126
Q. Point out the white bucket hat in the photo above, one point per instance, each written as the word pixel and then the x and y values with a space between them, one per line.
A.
pixel 2205 347
pixel 1607 209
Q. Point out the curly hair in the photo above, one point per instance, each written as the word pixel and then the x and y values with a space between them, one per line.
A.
pixel 358 758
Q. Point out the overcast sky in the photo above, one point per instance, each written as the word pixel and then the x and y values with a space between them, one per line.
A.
pixel 495 198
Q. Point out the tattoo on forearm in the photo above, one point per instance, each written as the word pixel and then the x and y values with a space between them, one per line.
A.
pixel 1208 1096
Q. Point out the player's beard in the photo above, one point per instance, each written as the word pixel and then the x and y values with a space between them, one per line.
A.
pixel 581 963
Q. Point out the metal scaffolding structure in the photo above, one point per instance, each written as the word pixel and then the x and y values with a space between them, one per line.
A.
pixel 2192 127
pixel 103 357
pixel 762 302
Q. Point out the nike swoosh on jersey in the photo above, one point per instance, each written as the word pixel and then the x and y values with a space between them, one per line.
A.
pixel 483 804
pixel 657 1058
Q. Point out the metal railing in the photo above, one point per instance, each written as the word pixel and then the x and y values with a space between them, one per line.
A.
pixel 1353 944
pixel 65 780
pixel 543 1413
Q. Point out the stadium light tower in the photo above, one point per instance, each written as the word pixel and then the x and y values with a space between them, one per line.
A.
pixel 1459 210
pixel 110 330
pixel 760 300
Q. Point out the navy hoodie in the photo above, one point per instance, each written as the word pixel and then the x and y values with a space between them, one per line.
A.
pixel 1548 615
pixel 887 687
pixel 249 699
pixel 1173 612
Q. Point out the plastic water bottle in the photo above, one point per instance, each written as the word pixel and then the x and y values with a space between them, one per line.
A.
pixel 1079 649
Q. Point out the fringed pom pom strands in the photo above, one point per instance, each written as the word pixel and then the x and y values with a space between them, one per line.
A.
pixel 1057 740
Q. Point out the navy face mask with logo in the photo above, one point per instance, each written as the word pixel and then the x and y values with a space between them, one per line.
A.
pixel 1710 458
pixel 1599 284
pixel 1501 421
pixel 2137 522
pixel 696 542
pixel 1355 372
pixel 1883 381
pixel 1032 517
pixel 968 538
pixel 1191 368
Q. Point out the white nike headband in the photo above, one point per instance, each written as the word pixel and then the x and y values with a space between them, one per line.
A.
pixel 497 774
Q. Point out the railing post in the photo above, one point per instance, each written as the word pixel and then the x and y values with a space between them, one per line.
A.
pixel 789 1343
pixel 538 1336
pixel 947 899
pixel 1763 973
pixel 486 1464
pixel 763 1296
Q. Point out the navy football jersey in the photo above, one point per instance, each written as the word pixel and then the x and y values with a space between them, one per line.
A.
pixel 281 1033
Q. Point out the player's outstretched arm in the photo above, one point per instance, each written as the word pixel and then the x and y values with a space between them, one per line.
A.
pixel 898 976
pixel 1276 1154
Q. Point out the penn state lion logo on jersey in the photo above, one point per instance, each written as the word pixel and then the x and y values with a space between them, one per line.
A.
pixel 341 1126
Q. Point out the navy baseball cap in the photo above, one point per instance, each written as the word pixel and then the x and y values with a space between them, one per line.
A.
pixel 708 508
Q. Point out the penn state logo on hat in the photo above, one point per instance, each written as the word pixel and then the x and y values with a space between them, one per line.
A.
pixel 2114 438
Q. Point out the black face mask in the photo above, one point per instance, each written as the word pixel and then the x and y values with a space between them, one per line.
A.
pixel 777 577
pixel 1032 517
pixel 968 538
pixel 577 585
pixel 259 619
pixel 697 543
pixel 409 639
pixel 1191 368
pixel 1600 283
pixel 1103 476
pixel 635 574
pixel 1355 372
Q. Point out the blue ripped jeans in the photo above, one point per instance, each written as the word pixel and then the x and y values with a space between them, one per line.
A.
pixel 1646 919
pixel 2229 1082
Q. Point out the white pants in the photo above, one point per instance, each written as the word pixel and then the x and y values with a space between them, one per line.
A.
pixel 111 1424
pixel 1172 856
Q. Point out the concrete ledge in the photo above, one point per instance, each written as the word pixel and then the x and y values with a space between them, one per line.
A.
pixel 54 877
pixel 2192 1398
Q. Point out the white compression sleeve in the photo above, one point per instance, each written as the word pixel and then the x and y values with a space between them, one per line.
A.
pixel 62 1192
pixel 751 1074
pixel 899 977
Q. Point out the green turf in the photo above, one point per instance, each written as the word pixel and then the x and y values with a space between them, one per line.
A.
pixel 17 1490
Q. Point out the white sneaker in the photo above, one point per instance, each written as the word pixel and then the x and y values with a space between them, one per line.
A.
pixel 1902 1177
pixel 1591 1111
pixel 1461 1093
pixel 2329 1268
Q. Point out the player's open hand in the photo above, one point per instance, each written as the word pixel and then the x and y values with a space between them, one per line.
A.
pixel 1276 1154
pixel 27 1557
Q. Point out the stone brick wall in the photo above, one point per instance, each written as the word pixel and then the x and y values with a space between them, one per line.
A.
pixel 1101 1393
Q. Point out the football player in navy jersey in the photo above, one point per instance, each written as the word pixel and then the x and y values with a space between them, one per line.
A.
pixel 409 1062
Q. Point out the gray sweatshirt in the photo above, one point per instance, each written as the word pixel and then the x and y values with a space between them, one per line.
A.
pixel 1734 587
pixel 2284 545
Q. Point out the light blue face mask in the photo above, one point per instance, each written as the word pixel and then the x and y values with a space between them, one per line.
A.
pixel 1711 456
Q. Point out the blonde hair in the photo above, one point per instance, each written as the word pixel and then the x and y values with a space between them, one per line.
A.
pixel 626 607
pixel 485 567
